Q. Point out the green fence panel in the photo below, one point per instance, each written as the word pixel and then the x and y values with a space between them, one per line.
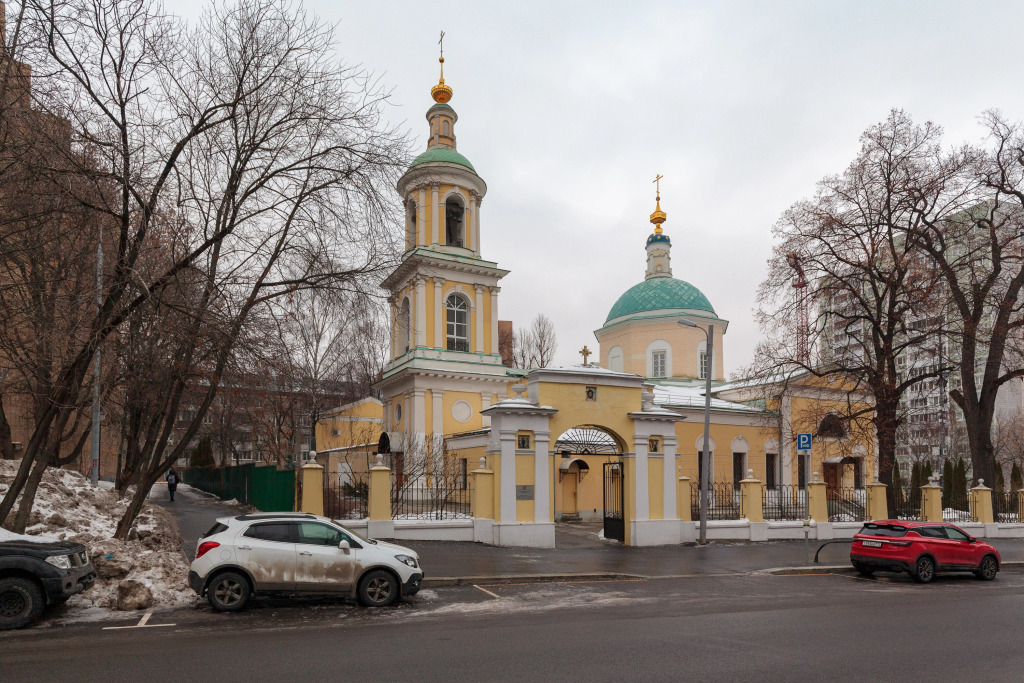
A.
pixel 265 488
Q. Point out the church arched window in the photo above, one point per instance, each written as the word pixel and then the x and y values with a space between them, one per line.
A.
pixel 446 128
pixel 615 359
pixel 702 360
pixel 457 323
pixel 832 427
pixel 403 326
pixel 454 228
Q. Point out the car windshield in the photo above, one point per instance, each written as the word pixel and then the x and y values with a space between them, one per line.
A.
pixel 883 530
pixel 353 534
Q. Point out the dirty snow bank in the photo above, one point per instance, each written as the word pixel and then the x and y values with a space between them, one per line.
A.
pixel 149 570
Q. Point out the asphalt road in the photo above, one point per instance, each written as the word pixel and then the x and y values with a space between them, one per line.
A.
pixel 715 628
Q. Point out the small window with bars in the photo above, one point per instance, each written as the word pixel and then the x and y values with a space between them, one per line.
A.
pixel 658 364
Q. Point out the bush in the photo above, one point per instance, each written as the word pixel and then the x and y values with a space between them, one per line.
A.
pixel 202 454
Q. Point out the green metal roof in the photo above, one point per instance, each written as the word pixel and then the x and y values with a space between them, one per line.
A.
pixel 659 293
pixel 442 154
pixel 440 106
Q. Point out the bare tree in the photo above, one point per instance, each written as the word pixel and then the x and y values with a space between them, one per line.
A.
pixel 239 161
pixel 536 346
pixel 978 253
pixel 873 292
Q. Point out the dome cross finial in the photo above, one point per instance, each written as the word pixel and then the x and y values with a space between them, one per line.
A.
pixel 441 92
pixel 658 217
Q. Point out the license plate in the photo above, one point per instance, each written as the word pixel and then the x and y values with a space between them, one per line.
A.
pixel 872 544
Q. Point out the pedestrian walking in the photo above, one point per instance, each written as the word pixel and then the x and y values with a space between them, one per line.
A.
pixel 172 482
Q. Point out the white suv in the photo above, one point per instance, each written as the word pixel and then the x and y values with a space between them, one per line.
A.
pixel 298 553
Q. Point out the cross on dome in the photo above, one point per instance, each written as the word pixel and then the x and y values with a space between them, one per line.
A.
pixel 441 92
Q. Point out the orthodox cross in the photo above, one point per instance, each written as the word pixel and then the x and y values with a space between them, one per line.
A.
pixel 441 43
pixel 657 184
pixel 585 352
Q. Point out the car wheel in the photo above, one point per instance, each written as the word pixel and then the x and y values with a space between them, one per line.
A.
pixel 864 570
pixel 924 569
pixel 378 589
pixel 228 592
pixel 21 602
pixel 988 568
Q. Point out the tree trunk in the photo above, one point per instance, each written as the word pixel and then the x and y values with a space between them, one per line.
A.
pixel 28 498
pixel 124 525
pixel 6 447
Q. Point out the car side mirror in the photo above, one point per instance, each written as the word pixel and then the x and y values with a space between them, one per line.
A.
pixel 344 546
pixel 972 539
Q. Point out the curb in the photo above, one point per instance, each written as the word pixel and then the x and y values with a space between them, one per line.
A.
pixel 527 578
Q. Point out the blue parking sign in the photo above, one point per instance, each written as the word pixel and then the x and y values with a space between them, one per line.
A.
pixel 803 442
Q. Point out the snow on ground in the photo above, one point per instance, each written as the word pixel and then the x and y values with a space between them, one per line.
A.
pixel 68 507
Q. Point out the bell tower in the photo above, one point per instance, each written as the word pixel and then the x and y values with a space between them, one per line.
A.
pixel 445 366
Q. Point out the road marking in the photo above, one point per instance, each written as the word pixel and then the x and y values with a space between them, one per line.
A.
pixel 560 581
pixel 143 623
pixel 496 597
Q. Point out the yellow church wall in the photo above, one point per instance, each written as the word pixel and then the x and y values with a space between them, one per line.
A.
pixel 610 411
pixel 805 417
pixel 524 477
pixel 722 456
pixel 634 339
pixel 453 426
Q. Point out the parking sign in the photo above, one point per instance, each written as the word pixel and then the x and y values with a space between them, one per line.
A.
pixel 803 442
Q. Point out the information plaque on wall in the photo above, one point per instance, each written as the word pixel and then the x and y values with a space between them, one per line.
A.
pixel 524 492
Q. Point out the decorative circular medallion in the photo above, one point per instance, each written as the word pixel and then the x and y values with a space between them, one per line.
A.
pixel 462 411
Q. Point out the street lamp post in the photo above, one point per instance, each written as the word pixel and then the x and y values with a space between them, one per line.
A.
pixel 705 470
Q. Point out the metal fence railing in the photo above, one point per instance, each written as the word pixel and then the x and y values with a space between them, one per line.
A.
pixel 906 503
pixel 723 501
pixel 346 497
pixel 958 506
pixel 431 497
pixel 846 504
pixel 1006 506
pixel 784 502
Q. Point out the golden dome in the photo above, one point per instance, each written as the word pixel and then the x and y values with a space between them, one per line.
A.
pixel 441 92
pixel 658 217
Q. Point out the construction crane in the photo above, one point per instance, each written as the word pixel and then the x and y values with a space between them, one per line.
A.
pixel 803 334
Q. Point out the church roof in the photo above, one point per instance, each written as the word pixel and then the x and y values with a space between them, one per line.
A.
pixel 658 237
pixel 659 293
pixel 442 154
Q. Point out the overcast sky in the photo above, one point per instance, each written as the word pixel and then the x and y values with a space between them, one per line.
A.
pixel 569 109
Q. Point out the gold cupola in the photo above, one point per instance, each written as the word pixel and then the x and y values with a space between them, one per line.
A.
pixel 441 92
pixel 658 217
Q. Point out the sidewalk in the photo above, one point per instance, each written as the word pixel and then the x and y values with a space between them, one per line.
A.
pixel 579 552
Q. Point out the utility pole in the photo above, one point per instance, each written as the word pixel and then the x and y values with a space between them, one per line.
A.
pixel 94 471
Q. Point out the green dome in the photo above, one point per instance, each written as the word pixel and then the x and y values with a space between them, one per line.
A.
pixel 442 154
pixel 657 294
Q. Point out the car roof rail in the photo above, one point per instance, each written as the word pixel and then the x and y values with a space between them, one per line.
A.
pixel 274 515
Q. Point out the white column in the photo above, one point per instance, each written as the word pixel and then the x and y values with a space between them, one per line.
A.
pixel 421 217
pixel 786 442
pixel 418 422
pixel 394 327
pixel 439 330
pixel 438 412
pixel 494 320
pixel 407 419
pixel 508 476
pixel 476 223
pixel 478 346
pixel 485 403
pixel 435 221
pixel 669 477
pixel 421 312
pixel 541 478
pixel 641 486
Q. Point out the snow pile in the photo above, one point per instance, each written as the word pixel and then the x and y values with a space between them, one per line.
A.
pixel 6 535
pixel 68 507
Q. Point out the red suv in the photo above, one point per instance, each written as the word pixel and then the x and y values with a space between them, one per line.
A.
pixel 921 549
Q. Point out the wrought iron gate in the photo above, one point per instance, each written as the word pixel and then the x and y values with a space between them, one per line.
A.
pixel 614 520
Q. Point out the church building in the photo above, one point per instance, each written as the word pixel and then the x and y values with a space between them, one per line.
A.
pixel 545 442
